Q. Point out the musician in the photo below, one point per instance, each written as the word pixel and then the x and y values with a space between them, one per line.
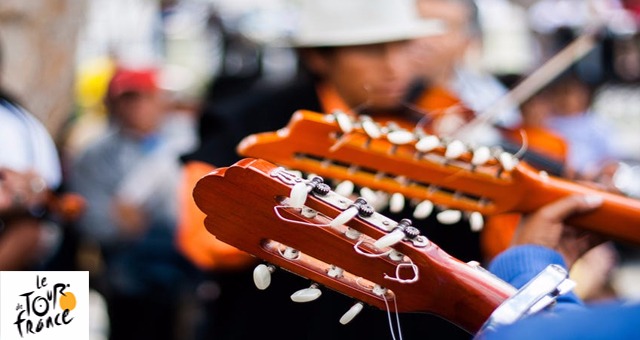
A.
pixel 357 56
pixel 452 75
pixel 129 177
pixel 29 169
pixel 542 239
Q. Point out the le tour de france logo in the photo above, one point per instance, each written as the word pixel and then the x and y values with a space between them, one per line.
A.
pixel 43 305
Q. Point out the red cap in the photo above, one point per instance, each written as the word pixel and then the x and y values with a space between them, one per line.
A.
pixel 130 80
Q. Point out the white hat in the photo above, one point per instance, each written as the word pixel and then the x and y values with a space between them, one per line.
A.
pixel 355 22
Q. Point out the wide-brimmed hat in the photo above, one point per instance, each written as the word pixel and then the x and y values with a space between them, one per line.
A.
pixel 318 23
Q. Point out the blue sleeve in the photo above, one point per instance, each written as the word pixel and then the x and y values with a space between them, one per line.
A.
pixel 569 319
pixel 518 265
pixel 612 320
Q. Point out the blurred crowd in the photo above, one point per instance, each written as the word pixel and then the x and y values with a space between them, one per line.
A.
pixel 111 191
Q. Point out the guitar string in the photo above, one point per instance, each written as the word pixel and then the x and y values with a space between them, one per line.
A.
pixel 391 329
pixel 356 247
pixel 397 278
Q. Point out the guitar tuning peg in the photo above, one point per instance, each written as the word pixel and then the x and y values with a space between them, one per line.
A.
pixel 344 217
pixel 370 127
pixel 400 137
pixel 398 233
pixel 454 149
pixel 307 294
pixel 389 239
pixel 359 207
pixel 423 209
pixel 508 161
pixel 298 195
pixel 299 191
pixel 344 188
pixel 344 121
pixel 427 143
pixel 476 221
pixel 262 276
pixel 396 203
pixel 449 216
pixel 481 155
pixel 351 313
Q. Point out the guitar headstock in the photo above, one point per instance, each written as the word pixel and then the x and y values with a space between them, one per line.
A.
pixel 391 159
pixel 303 226
pixel 428 170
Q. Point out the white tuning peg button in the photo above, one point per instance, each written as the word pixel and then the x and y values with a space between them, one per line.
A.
pixel 481 155
pixel 449 216
pixel 262 276
pixel 400 137
pixel 423 209
pixel 396 202
pixel 307 294
pixel 476 221
pixel 344 122
pixel 351 313
pixel 507 161
pixel 454 150
pixel 371 129
pixel 298 195
pixel 345 188
pixel 344 217
pixel 428 143
pixel 389 239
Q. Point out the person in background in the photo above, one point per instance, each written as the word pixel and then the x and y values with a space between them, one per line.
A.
pixel 30 171
pixel 357 57
pixel 542 239
pixel 129 178
pixel 452 73
pixel 589 137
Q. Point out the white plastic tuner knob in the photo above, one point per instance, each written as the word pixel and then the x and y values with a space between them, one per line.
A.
pixel 262 276
pixel 307 294
pixel 351 313
pixel 389 239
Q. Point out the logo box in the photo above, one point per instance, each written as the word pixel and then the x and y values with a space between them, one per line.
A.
pixel 38 305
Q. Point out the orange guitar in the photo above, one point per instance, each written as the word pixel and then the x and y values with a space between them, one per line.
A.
pixel 305 228
pixel 425 168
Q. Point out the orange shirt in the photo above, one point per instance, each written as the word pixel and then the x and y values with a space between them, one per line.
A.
pixel 193 239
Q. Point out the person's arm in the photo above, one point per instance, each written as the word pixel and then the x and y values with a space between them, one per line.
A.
pixel 542 239
pixel 22 194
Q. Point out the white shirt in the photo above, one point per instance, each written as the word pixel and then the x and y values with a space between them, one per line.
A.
pixel 25 144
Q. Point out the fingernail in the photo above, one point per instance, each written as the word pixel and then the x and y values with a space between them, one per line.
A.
pixel 593 200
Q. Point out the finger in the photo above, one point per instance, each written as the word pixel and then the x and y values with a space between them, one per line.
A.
pixel 563 208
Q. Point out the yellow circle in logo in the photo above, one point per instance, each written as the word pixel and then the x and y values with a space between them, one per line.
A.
pixel 68 301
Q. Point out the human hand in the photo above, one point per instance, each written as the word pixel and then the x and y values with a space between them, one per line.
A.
pixel 130 218
pixel 547 227
pixel 20 191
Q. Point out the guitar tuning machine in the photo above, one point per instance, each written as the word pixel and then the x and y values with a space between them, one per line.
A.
pixel 351 313
pixel 359 207
pixel 262 276
pixel 404 229
pixel 300 190
pixel 307 294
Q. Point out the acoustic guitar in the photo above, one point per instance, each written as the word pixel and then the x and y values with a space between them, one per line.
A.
pixel 303 226
pixel 431 170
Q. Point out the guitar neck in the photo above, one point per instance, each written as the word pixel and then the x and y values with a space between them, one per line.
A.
pixel 316 143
